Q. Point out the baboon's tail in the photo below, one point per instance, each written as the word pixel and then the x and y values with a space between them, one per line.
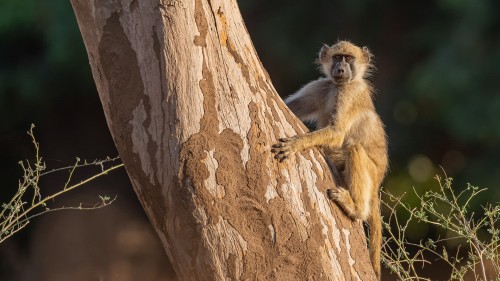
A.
pixel 375 223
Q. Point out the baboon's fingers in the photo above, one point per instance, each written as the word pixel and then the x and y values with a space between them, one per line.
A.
pixel 282 155
pixel 277 145
pixel 279 149
pixel 282 149
pixel 332 194
pixel 336 194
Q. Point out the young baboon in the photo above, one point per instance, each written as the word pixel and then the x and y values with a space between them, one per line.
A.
pixel 350 133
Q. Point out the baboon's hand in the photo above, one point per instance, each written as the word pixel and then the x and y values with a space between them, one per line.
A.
pixel 285 148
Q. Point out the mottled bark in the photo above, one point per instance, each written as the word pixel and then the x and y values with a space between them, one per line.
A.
pixel 193 114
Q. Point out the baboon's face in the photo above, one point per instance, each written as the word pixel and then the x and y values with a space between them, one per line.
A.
pixel 344 62
pixel 343 69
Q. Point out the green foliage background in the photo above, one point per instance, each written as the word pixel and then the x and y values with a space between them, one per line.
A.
pixel 437 83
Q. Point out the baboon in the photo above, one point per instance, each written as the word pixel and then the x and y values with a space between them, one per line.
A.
pixel 349 131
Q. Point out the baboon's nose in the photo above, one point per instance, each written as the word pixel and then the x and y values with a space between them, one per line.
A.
pixel 340 71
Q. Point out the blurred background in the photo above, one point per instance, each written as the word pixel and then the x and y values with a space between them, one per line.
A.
pixel 438 92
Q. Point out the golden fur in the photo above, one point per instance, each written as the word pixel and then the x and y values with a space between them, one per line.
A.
pixel 350 133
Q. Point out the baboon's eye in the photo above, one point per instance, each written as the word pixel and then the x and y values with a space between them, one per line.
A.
pixel 337 57
pixel 349 58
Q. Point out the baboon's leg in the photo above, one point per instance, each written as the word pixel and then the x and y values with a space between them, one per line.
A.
pixel 355 200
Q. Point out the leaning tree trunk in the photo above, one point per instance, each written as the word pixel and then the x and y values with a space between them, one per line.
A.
pixel 193 114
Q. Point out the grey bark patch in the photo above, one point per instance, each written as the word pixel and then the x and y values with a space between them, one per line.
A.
pixel 121 69
pixel 126 89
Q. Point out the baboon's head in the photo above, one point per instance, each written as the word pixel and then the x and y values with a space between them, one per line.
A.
pixel 344 62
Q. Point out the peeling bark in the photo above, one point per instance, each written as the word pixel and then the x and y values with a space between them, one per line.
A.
pixel 193 114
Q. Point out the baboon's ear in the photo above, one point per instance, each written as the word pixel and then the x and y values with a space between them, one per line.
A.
pixel 322 52
pixel 367 54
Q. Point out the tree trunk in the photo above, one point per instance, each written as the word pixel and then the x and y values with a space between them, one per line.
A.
pixel 193 114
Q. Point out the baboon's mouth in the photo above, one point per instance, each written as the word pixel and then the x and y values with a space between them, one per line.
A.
pixel 341 79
